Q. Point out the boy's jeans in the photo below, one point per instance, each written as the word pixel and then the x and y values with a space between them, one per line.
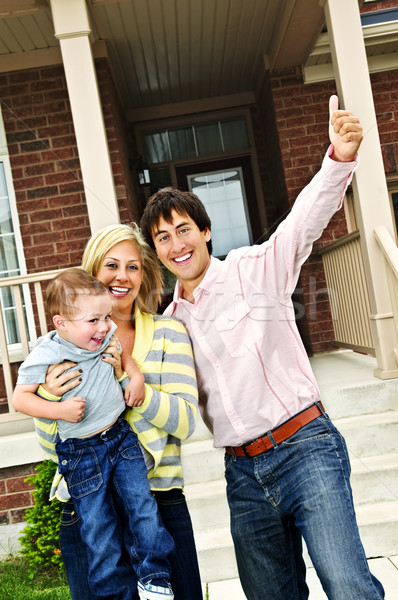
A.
pixel 299 488
pixel 107 477
pixel 173 509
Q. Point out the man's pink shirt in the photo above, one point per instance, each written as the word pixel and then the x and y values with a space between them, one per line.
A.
pixel 253 371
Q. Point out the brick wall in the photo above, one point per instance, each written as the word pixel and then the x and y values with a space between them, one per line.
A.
pixel 15 494
pixel 45 164
pixel 46 171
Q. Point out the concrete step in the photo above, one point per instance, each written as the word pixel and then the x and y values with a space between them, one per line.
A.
pixel 378 525
pixel 202 462
pixel 385 569
pixel 216 554
pixel 374 479
pixel 370 435
pixel 348 386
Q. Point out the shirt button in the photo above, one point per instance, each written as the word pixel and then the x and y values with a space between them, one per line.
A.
pixel 64 462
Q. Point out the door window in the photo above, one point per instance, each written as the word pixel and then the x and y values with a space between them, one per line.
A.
pixel 223 194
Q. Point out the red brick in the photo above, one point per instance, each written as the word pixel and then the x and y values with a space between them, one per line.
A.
pixel 82 233
pixel 45 215
pixel 54 262
pixel 17 484
pixel 60 154
pixel 4 518
pixel 40 169
pixel 15 500
pixel 63 141
pixel 18 516
pixel 66 200
pixel 28 182
pixel 62 177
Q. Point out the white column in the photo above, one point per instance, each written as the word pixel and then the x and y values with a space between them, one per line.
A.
pixel 72 28
pixel 369 185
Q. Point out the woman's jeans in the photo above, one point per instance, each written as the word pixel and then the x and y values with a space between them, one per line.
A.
pixel 107 480
pixel 300 488
pixel 185 578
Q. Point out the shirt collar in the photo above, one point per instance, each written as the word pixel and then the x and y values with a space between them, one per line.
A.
pixel 206 284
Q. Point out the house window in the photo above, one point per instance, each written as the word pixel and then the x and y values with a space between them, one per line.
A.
pixel 11 255
pixel 194 141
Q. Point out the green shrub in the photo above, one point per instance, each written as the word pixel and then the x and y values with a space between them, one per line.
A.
pixel 40 539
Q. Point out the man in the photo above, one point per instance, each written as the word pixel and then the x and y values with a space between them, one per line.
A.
pixel 286 465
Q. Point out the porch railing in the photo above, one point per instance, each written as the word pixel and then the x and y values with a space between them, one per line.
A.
pixel 348 294
pixel 20 285
pixel 390 251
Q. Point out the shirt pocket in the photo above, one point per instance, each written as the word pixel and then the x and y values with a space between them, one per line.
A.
pixel 236 329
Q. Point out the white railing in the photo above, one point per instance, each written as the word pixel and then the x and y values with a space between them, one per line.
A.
pixel 18 285
pixel 348 294
pixel 390 251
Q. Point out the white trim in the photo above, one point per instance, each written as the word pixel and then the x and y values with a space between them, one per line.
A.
pixel 5 159
pixel 382 33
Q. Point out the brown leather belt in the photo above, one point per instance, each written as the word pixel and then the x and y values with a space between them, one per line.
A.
pixel 280 434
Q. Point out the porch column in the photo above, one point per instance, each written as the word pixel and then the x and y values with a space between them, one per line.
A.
pixel 72 28
pixel 371 200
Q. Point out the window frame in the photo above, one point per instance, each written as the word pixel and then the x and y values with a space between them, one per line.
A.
pixel 15 350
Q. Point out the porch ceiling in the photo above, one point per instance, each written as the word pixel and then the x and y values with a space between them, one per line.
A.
pixel 164 51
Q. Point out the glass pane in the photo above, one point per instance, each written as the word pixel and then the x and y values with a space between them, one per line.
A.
pixel 156 147
pixel 9 265
pixel 182 143
pixel 222 193
pixel 208 138
pixel 234 133
pixel 160 178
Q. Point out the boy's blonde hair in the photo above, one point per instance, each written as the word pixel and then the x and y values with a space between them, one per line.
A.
pixel 68 285
pixel 105 239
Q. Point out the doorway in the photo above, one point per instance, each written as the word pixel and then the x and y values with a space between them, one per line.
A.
pixel 226 188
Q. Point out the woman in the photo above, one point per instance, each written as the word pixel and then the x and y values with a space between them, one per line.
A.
pixel 164 408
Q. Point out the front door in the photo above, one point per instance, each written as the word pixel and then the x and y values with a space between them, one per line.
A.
pixel 226 188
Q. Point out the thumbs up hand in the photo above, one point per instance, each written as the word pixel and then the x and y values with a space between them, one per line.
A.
pixel 345 132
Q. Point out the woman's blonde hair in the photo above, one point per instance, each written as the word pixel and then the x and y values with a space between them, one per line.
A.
pixel 105 239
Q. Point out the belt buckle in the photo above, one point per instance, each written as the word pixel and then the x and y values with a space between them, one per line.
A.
pixel 258 445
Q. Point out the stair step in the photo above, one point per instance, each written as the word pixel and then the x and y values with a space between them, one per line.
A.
pixel 369 435
pixel 375 478
pixel 383 568
pixel 354 390
pixel 378 524
pixel 216 554
pixel 202 462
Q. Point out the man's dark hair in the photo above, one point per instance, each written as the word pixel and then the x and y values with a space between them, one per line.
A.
pixel 161 204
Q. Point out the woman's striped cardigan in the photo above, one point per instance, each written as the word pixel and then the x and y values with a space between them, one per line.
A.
pixel 163 353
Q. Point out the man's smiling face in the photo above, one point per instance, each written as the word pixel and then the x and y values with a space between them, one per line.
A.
pixel 181 247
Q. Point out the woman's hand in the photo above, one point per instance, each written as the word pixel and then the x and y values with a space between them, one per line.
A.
pixel 58 381
pixel 134 394
pixel 114 359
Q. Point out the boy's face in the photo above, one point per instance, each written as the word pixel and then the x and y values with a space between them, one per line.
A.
pixel 181 247
pixel 89 322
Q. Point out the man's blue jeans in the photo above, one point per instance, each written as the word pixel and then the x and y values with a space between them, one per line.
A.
pixel 107 480
pixel 185 578
pixel 299 488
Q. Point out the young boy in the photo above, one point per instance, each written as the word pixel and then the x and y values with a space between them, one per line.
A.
pixel 99 454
